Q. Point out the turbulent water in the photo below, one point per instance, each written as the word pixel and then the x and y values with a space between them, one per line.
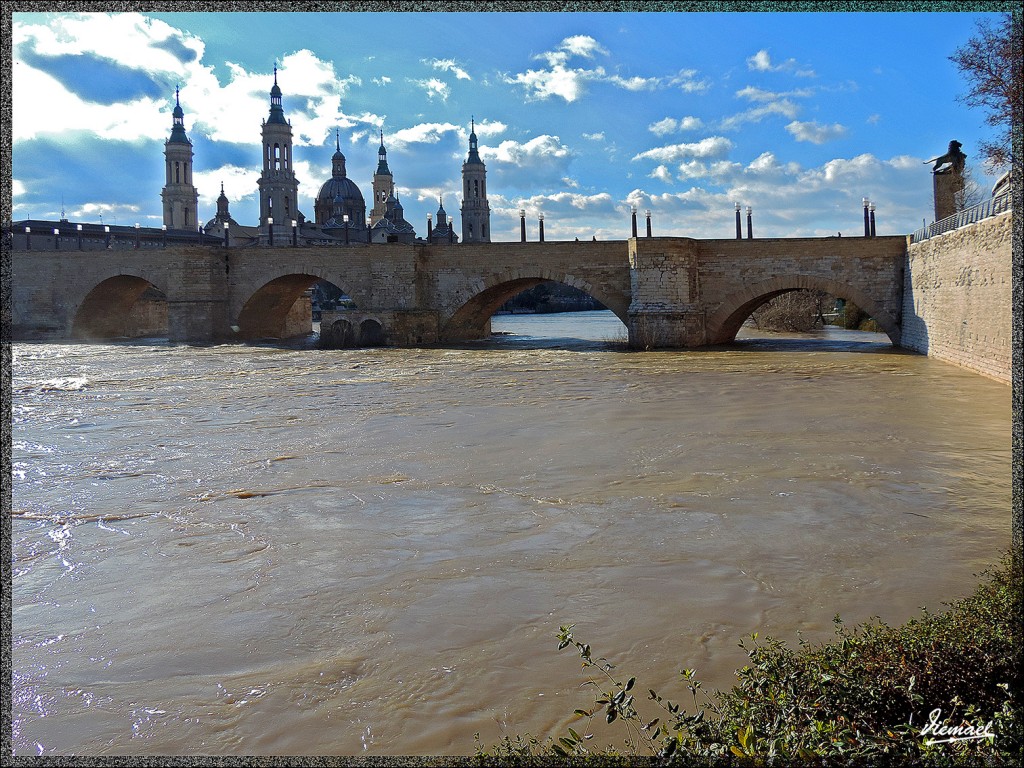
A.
pixel 255 550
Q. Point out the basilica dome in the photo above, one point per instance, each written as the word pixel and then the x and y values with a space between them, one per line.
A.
pixel 340 196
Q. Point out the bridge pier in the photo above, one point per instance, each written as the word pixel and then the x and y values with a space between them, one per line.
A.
pixel 348 328
pixel 202 320
pixel 663 328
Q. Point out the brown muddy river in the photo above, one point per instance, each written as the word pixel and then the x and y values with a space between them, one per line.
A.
pixel 254 550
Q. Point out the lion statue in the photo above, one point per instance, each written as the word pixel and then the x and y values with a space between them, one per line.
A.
pixel 953 157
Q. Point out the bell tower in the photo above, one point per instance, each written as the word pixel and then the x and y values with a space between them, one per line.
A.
pixel 179 195
pixel 383 184
pixel 476 213
pixel 279 189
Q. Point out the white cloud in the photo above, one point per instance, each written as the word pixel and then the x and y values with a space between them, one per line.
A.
pixel 814 132
pixel 56 110
pixel 382 80
pixel 448 65
pixel 541 148
pixel 635 83
pixel 581 45
pixel 662 173
pixel 139 39
pixel 599 136
pixel 671 125
pixel 785 107
pixel 713 146
pixel 490 128
pixel 424 133
pixel 685 80
pixel 239 184
pixel 762 62
pixel 759 94
pixel 434 88
pixel 567 84
pixel 224 112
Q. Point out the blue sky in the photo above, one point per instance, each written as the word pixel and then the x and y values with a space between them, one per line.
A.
pixel 579 115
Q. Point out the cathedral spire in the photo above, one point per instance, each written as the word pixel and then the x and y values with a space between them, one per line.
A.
pixel 276 109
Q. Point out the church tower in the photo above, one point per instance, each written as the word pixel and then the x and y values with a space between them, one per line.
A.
pixel 180 197
pixel 279 189
pixel 476 213
pixel 383 184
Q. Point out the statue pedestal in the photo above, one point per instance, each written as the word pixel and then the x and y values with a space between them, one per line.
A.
pixel 945 188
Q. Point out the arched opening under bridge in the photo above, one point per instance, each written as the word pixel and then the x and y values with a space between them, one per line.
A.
pixel 802 311
pixel 537 311
pixel 288 307
pixel 124 306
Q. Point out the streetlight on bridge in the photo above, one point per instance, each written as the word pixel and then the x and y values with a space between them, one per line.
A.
pixel 227 235
pixel 136 235
pixel 163 232
pixel 295 234
pixel 345 219
pixel 541 220
pixel 522 225
pixel 28 238
pixel 78 227
pixel 739 225
pixel 632 211
pixel 270 231
pixel 648 213
pixel 750 223
pixel 56 239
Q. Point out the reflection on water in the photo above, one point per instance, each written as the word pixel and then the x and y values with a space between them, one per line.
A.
pixel 263 550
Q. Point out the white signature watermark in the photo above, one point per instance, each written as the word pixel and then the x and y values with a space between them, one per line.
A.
pixel 952 733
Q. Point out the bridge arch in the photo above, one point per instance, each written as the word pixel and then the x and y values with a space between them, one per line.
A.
pixel 121 306
pixel 474 306
pixel 271 310
pixel 723 324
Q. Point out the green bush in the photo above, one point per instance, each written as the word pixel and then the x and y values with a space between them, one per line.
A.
pixel 864 697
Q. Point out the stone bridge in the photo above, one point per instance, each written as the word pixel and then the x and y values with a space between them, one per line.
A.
pixel 668 291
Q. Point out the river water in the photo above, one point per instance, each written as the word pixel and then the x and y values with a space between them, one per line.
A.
pixel 257 550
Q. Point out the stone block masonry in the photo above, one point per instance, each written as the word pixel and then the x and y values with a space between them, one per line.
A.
pixel 957 297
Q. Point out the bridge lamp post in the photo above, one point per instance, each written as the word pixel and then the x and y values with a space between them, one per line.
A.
pixel 750 223
pixel 270 231
pixel 648 214
pixel 28 238
pixel 369 230
pixel 106 237
pixel 522 225
pixel 345 219
pixel 295 234
pixel 871 210
pixel 227 235
pixel 137 235
pixel 632 211
pixel 163 234
pixel 867 223
pixel 540 219
pixel 56 239
pixel 739 225
pixel 430 227
pixel 78 228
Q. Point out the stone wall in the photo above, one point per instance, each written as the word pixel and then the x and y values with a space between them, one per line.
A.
pixel 957 297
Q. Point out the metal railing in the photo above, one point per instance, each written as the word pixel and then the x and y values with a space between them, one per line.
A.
pixel 983 210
